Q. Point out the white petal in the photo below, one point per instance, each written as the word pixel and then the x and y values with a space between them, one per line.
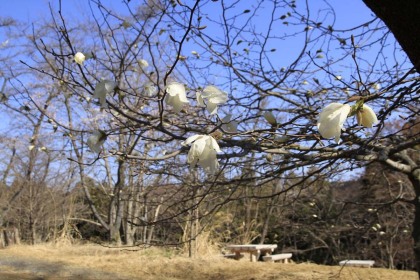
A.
pixel 209 91
pixel 96 140
pixel 175 89
pixel 183 97
pixel 102 89
pixel 219 99
pixel 214 95
pixel 209 162
pixel 269 117
pixel 99 90
pixel 200 100
pixel 366 116
pixel 109 86
pixel 228 125
pixel 232 127
pixel 143 63
pixel 211 107
pixel 226 119
pixel 149 89
pixel 79 58
pixel 191 139
pixel 214 145
pixel 174 102
pixel 197 149
pixel 176 96
pixel 331 120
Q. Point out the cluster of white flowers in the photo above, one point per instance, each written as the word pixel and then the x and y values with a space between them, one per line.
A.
pixel 204 148
pixel 210 97
pixel 332 118
pixel 203 151
pixel 214 97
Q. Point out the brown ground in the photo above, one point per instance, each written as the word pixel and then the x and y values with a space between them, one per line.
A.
pixel 95 262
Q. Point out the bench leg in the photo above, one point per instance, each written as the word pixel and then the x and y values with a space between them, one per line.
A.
pixel 254 257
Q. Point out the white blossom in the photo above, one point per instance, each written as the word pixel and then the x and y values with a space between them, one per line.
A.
pixel 176 96
pixel 366 116
pixel 149 89
pixel 228 125
pixel 377 86
pixel 79 58
pixel 269 117
pixel 96 140
pixel 4 44
pixel 103 88
pixel 203 151
pixel 214 98
pixel 143 63
pixel 331 120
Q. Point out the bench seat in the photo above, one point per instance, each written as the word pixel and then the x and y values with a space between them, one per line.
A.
pixel 278 257
pixel 359 263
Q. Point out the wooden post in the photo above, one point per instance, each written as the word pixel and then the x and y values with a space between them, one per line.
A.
pixel 2 239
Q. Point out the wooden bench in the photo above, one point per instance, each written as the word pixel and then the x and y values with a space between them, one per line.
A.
pixel 254 250
pixel 358 263
pixel 278 257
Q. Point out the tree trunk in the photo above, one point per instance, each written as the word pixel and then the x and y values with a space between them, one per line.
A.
pixel 155 218
pixel 403 19
pixel 129 229
pixel 117 206
pixel 415 180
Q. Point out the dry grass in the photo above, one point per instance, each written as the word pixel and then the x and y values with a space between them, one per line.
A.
pixel 96 262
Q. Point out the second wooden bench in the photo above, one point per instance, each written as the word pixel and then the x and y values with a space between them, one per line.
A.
pixel 278 257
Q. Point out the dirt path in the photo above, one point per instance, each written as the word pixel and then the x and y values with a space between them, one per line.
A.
pixel 12 267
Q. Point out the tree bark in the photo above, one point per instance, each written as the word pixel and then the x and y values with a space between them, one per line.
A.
pixel 155 218
pixel 415 180
pixel 403 19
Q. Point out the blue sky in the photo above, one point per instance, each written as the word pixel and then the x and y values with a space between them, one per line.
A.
pixel 348 12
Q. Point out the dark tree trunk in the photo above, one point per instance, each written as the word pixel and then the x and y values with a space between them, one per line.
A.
pixel 415 180
pixel 403 19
